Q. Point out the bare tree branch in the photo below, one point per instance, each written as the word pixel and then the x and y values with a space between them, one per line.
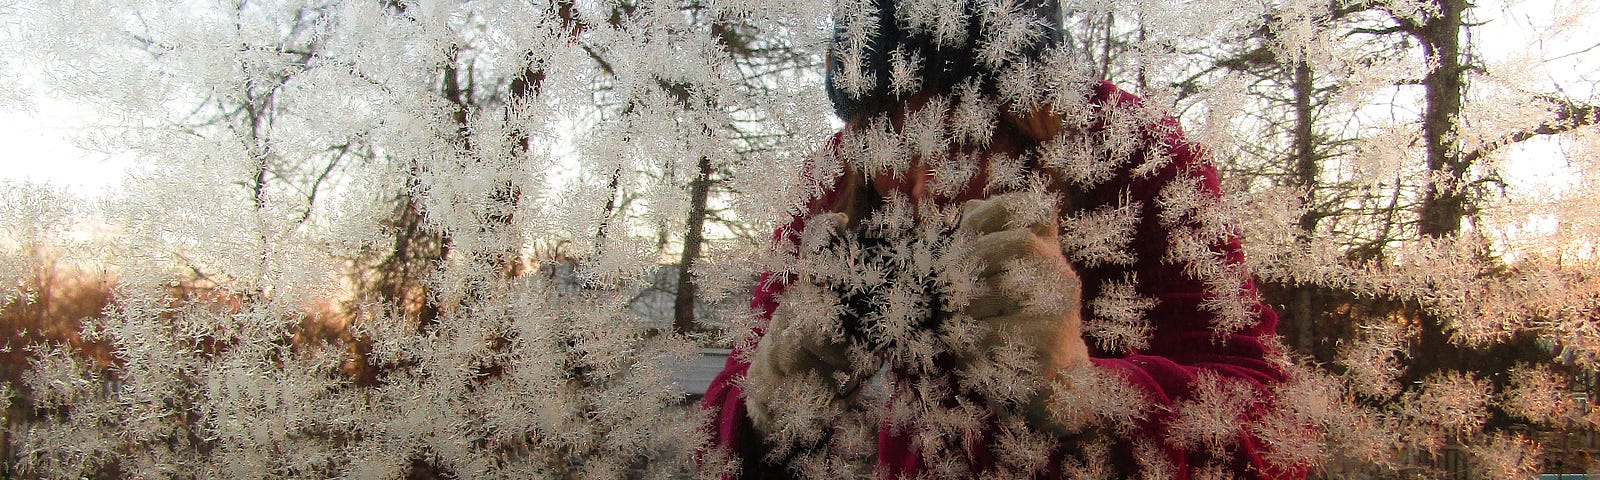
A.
pixel 1569 116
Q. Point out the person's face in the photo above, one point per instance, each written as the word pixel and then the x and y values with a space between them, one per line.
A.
pixel 914 183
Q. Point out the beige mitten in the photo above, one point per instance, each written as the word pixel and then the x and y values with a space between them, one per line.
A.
pixel 801 344
pixel 1028 295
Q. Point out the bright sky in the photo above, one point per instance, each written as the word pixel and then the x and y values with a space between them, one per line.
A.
pixel 1513 26
pixel 41 147
pixel 41 144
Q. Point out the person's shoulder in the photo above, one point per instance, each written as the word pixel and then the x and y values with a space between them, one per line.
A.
pixel 1107 93
pixel 1158 125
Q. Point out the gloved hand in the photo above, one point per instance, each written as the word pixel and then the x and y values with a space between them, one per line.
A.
pixel 802 343
pixel 1028 296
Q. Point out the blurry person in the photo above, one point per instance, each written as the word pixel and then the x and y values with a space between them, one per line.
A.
pixel 1090 317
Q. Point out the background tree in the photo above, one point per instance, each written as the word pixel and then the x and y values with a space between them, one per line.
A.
pixel 404 144
pixel 1403 228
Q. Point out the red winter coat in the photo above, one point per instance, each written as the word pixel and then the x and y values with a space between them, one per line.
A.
pixel 1182 346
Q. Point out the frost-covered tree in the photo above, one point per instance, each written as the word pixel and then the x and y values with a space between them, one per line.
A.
pixel 396 157
pixel 1381 118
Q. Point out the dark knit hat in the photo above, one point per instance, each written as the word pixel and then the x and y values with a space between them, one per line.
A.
pixel 938 44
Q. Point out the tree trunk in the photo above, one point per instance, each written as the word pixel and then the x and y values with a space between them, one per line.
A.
pixel 1306 171
pixel 1444 202
pixel 693 237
